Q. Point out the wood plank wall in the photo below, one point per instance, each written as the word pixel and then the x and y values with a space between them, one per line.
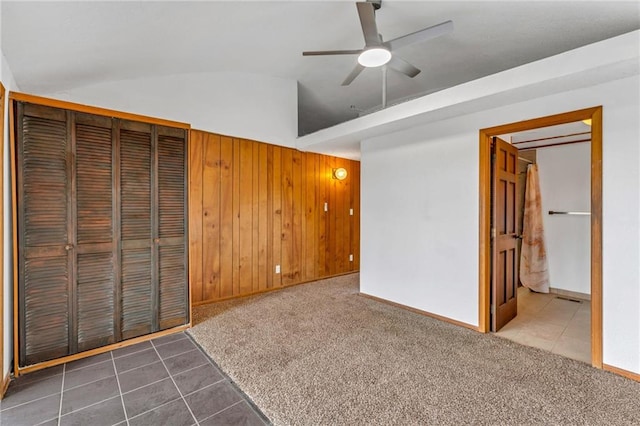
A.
pixel 253 206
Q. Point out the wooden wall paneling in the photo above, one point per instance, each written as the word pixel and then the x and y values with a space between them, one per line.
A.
pixel 271 212
pixel 303 215
pixel 235 236
pixel 287 216
pixel 323 214
pixel 270 216
pixel 334 207
pixel 226 217
pixel 196 215
pixel 263 218
pixel 310 220
pixel 255 218
pixel 244 211
pixel 296 220
pixel 276 208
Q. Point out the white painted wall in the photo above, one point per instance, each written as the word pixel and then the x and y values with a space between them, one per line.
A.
pixel 6 77
pixel 420 214
pixel 565 185
pixel 242 105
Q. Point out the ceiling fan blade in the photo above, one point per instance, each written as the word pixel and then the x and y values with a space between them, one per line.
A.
pixel 420 36
pixel 332 52
pixel 403 66
pixel 368 23
pixel 352 76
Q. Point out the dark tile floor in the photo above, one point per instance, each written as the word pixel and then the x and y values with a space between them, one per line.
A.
pixel 166 381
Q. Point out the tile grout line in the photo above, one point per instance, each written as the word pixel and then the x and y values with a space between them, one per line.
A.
pixel 115 371
pixel 135 368
pixel 193 368
pixel 224 409
pixel 88 383
pixel 27 402
pixel 174 384
pixel 91 405
pixel 64 369
pixel 143 349
pixel 144 386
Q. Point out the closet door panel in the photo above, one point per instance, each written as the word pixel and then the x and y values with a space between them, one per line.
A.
pixel 43 204
pixel 45 309
pixel 172 260
pixel 96 278
pixel 136 229
pixel 95 300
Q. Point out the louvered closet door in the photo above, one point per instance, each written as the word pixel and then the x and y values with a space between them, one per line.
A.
pixel 171 237
pixel 44 225
pixel 136 178
pixel 96 255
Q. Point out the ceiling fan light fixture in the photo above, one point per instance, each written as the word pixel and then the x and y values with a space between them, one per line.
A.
pixel 374 57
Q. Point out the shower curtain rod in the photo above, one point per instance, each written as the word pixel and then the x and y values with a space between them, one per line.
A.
pixel 570 213
pixel 529 148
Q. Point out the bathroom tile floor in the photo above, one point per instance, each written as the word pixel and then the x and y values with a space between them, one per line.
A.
pixel 547 322
pixel 165 381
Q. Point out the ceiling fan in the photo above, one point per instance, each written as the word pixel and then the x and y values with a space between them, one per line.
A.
pixel 377 52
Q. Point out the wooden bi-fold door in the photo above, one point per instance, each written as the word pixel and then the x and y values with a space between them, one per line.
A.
pixel 101 208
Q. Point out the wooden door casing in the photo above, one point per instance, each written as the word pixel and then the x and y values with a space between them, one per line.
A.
pixel 504 233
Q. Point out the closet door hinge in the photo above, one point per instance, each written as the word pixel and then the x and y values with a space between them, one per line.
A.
pixel 493 309
pixel 493 232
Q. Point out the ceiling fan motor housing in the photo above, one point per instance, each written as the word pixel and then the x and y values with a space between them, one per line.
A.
pixel 377 4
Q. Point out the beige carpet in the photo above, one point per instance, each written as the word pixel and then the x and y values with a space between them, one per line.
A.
pixel 319 354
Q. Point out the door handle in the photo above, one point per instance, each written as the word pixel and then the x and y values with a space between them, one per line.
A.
pixel 68 247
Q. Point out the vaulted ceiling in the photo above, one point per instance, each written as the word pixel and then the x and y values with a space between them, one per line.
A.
pixel 56 46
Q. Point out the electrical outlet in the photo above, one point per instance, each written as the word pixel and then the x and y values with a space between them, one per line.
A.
pixel 350 258
pixel 350 212
pixel 326 207
pixel 277 269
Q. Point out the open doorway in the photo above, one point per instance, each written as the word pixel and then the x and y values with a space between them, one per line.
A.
pixel 552 227
pixel 498 253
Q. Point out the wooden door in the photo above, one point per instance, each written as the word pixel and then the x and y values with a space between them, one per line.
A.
pixel 136 229
pixel 171 237
pixel 504 234
pixel 45 225
pixel 96 292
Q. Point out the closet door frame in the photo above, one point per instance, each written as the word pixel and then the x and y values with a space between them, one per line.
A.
pixel 14 98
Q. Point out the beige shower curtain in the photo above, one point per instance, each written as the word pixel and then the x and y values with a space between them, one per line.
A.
pixel 534 270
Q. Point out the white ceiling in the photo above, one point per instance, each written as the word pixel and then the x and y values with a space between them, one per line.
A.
pixel 57 46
